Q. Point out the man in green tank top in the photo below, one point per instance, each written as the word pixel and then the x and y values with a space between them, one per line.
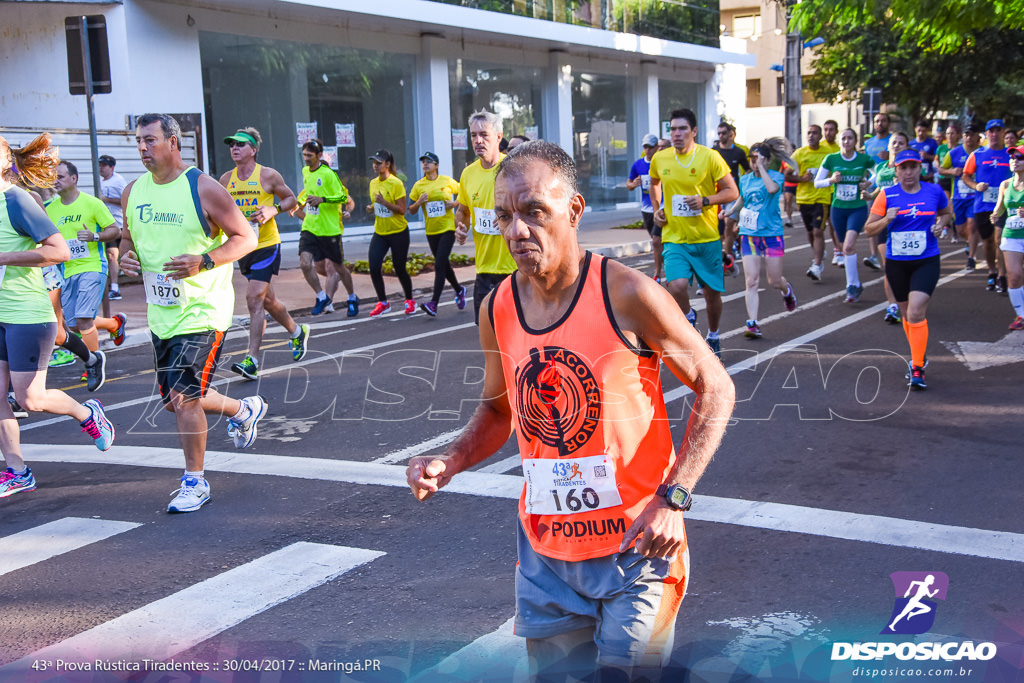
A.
pixel 182 232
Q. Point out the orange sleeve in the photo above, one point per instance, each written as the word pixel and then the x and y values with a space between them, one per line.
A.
pixel 970 166
pixel 879 207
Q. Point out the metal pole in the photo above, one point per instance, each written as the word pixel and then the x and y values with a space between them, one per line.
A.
pixel 87 70
pixel 793 82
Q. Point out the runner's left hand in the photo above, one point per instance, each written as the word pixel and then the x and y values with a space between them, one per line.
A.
pixel 184 266
pixel 659 530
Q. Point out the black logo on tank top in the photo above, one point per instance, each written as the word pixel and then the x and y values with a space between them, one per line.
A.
pixel 557 398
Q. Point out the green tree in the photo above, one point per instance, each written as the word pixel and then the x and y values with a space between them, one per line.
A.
pixel 935 24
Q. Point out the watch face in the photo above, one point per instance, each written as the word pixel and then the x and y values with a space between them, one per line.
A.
pixel 679 496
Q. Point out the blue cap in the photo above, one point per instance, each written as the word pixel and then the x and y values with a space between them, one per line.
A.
pixel 908 155
pixel 994 123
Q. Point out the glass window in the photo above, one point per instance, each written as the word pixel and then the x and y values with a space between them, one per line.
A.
pixel 511 92
pixel 273 84
pixel 601 138
pixel 678 95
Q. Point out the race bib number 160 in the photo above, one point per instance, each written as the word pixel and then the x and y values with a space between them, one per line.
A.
pixel 566 486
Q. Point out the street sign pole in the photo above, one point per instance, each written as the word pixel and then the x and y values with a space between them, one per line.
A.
pixel 93 139
pixel 793 81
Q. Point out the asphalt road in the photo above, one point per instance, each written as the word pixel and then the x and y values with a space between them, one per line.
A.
pixel 312 554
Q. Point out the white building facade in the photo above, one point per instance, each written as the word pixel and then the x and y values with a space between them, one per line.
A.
pixel 402 75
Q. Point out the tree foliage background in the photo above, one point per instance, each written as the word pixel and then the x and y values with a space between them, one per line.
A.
pixel 960 56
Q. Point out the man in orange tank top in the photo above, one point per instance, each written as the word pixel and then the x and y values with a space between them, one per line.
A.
pixel 604 492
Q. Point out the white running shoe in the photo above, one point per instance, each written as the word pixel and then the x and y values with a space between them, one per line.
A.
pixel 243 432
pixel 192 495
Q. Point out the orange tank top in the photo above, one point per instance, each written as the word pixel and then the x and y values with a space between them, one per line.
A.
pixel 590 419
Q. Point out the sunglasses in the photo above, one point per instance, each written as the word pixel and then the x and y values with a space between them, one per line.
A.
pixel 236 143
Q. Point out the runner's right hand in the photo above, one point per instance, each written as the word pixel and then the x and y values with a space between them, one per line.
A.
pixel 129 263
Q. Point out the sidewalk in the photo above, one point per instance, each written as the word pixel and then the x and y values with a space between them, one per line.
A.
pixel 597 233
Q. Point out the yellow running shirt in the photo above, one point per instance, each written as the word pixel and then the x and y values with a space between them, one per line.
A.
pixel 85 213
pixel 437 217
pixel 250 195
pixel 810 160
pixel 476 193
pixel 385 222
pixel 694 173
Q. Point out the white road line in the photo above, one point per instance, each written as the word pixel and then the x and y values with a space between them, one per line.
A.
pixel 416 449
pixel 270 371
pixel 61 536
pixel 180 621
pixel 503 465
pixel 501 649
pixel 999 545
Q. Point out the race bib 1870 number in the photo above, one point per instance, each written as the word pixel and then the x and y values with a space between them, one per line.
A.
pixel 436 209
pixel 681 209
pixel 485 222
pixel 79 249
pixel 162 290
pixel 909 242
pixel 566 486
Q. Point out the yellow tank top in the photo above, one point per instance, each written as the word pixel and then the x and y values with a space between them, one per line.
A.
pixel 249 195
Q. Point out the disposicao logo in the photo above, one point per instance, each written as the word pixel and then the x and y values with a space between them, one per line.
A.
pixel 916 595
pixel 913 613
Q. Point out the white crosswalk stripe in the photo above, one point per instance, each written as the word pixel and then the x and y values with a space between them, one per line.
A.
pixel 61 536
pixel 180 621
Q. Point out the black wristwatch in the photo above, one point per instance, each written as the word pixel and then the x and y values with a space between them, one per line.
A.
pixel 704 201
pixel 208 263
pixel 677 496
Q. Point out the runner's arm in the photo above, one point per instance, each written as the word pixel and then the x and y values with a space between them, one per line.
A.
pixel 1001 202
pixel 643 311
pixel 487 431
pixel 824 178
pixel 128 262
pixel 726 190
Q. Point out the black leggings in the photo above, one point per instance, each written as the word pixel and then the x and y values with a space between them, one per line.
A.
pixel 398 243
pixel 441 247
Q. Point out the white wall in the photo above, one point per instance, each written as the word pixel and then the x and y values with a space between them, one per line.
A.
pixel 762 122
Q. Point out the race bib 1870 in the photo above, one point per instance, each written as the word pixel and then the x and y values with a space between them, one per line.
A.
pixel 566 486
pixel 681 209
pixel 162 290
pixel 79 249
pixel 485 222
pixel 909 242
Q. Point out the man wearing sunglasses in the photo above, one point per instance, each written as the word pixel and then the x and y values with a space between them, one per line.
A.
pixel 261 194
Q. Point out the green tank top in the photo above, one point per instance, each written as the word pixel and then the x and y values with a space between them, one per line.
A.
pixel 1013 200
pixel 167 221
pixel 23 297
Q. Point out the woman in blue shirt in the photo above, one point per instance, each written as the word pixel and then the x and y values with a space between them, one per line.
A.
pixel 761 229
pixel 914 213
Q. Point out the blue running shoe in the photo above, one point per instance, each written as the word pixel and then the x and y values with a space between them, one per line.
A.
pixel 716 346
pixel 11 483
pixel 460 298
pixel 321 305
pixel 353 306
pixel 98 426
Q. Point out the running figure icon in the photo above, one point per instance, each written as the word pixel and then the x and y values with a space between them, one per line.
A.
pixel 915 606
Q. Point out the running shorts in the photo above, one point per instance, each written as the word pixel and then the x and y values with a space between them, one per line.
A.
pixel 689 261
pixel 845 220
pixel 186 363
pixel 917 275
pixel 962 210
pixel 1015 244
pixel 814 215
pixel 322 247
pixel 652 228
pixel 630 601
pixel 26 348
pixel 81 296
pixel 771 247
pixel 983 224
pixel 261 264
